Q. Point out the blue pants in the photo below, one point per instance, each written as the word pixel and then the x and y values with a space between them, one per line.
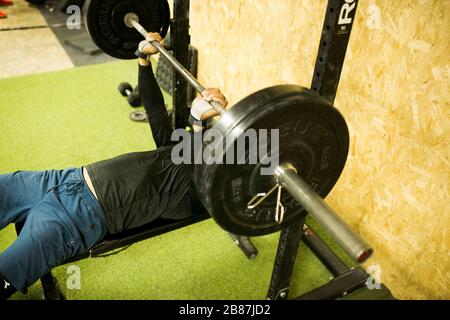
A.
pixel 61 216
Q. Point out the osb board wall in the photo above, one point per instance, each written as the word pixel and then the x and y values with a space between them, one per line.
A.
pixel 394 93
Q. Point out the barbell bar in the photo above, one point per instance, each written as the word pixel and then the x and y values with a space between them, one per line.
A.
pixel 286 175
pixel 131 20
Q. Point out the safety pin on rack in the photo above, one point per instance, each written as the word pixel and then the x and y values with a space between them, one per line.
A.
pixel 260 197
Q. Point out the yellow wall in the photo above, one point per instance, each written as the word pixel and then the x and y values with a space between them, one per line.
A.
pixel 394 93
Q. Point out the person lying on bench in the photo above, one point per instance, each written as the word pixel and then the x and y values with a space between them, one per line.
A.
pixel 66 212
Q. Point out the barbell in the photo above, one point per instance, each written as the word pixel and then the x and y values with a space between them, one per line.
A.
pixel 312 146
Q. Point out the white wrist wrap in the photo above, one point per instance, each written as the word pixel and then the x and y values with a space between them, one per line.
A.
pixel 199 107
pixel 143 44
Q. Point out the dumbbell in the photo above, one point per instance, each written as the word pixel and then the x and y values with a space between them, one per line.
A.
pixel 133 98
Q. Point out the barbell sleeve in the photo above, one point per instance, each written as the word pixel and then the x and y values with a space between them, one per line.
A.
pixel 131 20
pixel 286 175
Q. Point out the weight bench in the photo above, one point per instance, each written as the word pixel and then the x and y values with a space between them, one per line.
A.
pixel 345 279
pixel 126 238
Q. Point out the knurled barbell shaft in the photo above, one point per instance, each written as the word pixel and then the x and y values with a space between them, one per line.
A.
pixel 286 175
pixel 350 242
pixel 178 66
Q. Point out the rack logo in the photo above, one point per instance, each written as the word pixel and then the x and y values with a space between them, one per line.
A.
pixel 347 8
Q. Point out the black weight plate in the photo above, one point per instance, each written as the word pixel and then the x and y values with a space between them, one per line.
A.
pixel 105 23
pixel 313 136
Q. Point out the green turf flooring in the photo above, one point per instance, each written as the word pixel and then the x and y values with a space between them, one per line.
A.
pixel 74 117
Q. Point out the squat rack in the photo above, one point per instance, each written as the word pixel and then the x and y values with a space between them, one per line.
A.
pixel 336 31
pixel 330 59
pixel 334 40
